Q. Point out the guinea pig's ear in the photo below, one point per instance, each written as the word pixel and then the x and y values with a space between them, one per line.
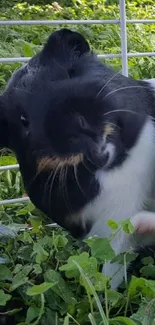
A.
pixel 4 137
pixel 65 43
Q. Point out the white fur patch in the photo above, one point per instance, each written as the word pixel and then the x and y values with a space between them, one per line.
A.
pixel 125 191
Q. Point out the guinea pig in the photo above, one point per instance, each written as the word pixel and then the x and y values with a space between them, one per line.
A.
pixel 84 137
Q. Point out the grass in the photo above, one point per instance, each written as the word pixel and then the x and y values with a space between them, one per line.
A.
pixel 47 277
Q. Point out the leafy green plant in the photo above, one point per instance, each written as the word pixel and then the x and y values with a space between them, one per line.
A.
pixel 46 276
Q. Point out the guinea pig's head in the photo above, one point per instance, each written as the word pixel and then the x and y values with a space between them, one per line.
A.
pixel 66 115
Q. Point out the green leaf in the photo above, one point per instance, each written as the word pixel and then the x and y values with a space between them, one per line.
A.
pixel 50 318
pixel 32 313
pixel 37 269
pixel 127 226
pixel 101 249
pixel 112 224
pixel 100 281
pixel 17 268
pixel 135 284
pixel 138 317
pixel 5 273
pixel 36 222
pixel 40 288
pixel 89 264
pixel 30 206
pixel 21 277
pixel 147 260
pixel 143 286
pixel 114 297
pixel 60 241
pixel 27 238
pixel 41 254
pixel 21 212
pixel 121 321
pixel 145 313
pixel 61 288
pixel 127 257
pixel 4 298
pixel 7 160
pixel 46 241
pixel 148 271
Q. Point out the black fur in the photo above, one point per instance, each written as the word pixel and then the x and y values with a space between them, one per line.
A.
pixel 58 105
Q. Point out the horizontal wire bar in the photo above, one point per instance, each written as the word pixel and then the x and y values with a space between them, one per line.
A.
pixel 50 225
pixel 11 60
pixel 8 167
pixel 132 55
pixel 58 22
pixel 140 21
pixel 18 200
pixel 102 56
pixel 72 22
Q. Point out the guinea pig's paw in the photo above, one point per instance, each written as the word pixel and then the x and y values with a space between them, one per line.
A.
pixel 144 222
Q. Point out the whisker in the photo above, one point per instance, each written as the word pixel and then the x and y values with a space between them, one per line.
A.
pixel 77 181
pixel 123 88
pixel 90 171
pixel 46 184
pixel 121 110
pixel 99 167
pixel 62 185
pixel 37 174
pixel 61 179
pixel 107 83
pixel 51 185
pixel 67 200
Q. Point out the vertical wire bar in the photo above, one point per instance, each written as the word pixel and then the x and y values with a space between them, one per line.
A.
pixel 123 37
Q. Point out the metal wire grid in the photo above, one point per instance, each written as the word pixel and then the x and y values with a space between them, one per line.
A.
pixel 124 55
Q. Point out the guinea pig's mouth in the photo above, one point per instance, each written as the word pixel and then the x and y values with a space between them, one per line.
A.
pixel 104 159
pixel 101 159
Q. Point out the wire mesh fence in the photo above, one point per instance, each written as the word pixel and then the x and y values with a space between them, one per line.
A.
pixel 124 55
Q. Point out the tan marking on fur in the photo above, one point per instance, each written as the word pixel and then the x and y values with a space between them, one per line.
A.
pixel 108 130
pixel 51 163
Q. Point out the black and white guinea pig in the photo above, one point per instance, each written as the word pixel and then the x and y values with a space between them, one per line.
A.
pixel 84 137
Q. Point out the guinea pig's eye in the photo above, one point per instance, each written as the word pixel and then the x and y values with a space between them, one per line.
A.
pixel 24 121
